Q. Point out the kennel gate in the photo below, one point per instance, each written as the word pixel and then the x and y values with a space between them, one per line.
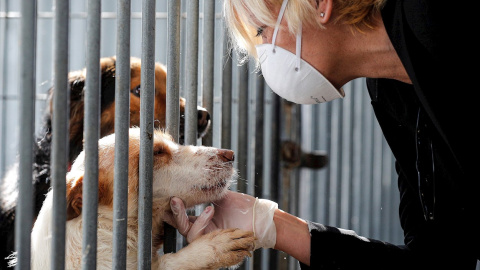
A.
pixel 266 132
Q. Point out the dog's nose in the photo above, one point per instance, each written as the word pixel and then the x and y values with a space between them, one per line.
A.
pixel 226 155
pixel 203 118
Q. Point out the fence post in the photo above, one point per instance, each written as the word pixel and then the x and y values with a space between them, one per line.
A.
pixel 208 64
pixel 24 211
pixel 173 96
pixel 92 135
pixel 147 99
pixel 122 125
pixel 60 131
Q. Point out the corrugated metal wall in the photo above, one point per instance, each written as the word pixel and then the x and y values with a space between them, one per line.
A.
pixel 356 190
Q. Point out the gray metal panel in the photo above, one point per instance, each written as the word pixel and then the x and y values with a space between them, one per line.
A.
pixel 359 180
pixel 10 86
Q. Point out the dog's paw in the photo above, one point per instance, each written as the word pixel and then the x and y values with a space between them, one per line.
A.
pixel 218 249
pixel 230 247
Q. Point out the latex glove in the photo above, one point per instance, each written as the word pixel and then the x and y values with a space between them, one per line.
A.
pixel 235 210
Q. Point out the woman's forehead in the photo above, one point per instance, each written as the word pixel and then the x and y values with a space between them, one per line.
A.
pixel 257 13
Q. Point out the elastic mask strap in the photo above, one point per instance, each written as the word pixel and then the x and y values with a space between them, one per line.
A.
pixel 299 48
pixel 279 19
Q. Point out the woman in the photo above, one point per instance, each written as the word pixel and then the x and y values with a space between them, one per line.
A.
pixel 413 54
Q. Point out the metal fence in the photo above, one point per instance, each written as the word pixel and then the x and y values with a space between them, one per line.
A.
pixel 281 148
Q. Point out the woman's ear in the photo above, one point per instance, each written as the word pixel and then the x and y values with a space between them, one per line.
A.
pixel 324 10
pixel 74 198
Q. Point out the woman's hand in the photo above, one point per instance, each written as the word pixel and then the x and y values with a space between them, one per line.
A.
pixel 235 210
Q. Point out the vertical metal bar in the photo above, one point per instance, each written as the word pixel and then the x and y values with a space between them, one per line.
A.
pixel 61 113
pixel 259 134
pixel 147 98
pixel 367 144
pixel 241 73
pixel 24 212
pixel 313 142
pixel 345 161
pixel 122 124
pixel 208 63
pixel 325 136
pixel 386 188
pixel 357 156
pixel 290 131
pixel 226 141
pixel 3 87
pixel 242 86
pixel 173 64
pixel 91 136
pixel 259 156
pixel 191 68
pixel 334 172
pixel 376 182
pixel 191 80
pixel 275 165
pixel 173 95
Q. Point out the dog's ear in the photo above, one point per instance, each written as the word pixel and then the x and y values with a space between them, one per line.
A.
pixel 74 198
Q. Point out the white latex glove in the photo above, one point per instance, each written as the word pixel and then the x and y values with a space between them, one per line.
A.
pixel 235 210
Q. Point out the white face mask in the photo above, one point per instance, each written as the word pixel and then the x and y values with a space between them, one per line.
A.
pixel 291 77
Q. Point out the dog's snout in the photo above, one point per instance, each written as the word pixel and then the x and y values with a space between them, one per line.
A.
pixel 203 117
pixel 226 155
pixel 203 121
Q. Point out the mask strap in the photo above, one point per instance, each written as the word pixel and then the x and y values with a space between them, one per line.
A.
pixel 279 19
pixel 299 48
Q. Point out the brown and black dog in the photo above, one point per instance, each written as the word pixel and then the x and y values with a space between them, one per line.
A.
pixel 42 145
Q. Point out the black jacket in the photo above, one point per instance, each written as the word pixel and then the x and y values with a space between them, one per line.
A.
pixel 430 127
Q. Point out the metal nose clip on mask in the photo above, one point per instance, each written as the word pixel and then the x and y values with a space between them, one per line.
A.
pixel 291 77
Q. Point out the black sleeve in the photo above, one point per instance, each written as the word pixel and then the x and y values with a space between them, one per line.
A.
pixel 335 248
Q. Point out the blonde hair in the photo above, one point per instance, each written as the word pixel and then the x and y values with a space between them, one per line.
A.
pixel 244 17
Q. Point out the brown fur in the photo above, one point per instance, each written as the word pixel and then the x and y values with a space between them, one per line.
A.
pixel 77 81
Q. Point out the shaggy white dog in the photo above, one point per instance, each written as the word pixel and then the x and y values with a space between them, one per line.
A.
pixel 195 174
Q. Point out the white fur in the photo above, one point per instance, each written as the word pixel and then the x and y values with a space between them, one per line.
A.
pixel 195 174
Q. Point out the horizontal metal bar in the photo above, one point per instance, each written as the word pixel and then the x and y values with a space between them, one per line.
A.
pixel 104 15
pixel 38 97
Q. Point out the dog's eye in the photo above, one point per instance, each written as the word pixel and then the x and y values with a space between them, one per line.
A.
pixel 158 151
pixel 136 91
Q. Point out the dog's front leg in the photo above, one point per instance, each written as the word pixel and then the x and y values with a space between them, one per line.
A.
pixel 222 248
